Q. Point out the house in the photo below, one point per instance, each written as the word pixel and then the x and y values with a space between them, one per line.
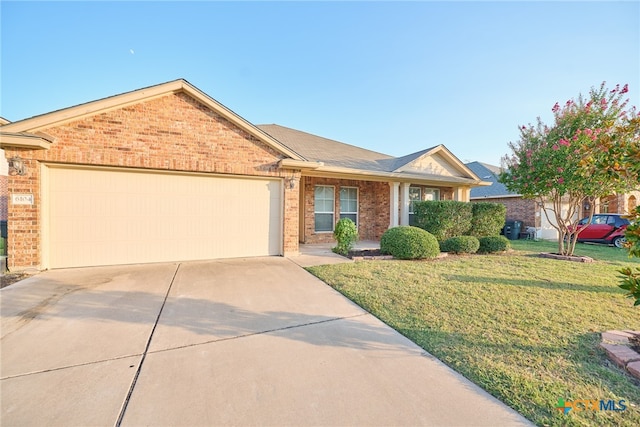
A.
pixel 166 173
pixel 4 198
pixel 518 208
pixel 529 211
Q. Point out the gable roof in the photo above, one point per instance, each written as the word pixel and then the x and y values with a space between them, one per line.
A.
pixel 335 157
pixel 490 174
pixel 305 151
pixel 28 133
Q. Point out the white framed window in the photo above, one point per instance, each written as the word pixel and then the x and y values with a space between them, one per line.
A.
pixel 415 195
pixel 324 208
pixel 431 194
pixel 349 203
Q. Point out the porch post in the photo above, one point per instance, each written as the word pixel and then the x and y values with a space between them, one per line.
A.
pixel 394 189
pixel 404 203
pixel 461 194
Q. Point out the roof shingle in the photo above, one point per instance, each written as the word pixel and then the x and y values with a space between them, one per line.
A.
pixel 488 173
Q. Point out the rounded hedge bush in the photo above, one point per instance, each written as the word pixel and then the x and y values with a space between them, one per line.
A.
pixel 407 242
pixel 493 244
pixel 461 245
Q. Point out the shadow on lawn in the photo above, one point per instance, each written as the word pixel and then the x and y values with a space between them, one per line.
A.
pixel 531 378
pixel 538 283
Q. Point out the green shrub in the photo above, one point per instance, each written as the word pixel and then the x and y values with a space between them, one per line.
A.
pixel 491 244
pixel 407 242
pixel 487 219
pixel 444 218
pixel 346 233
pixel 461 245
pixel 631 283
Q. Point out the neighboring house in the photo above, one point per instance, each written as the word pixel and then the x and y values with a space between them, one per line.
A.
pixel 531 212
pixel 166 173
pixel 617 203
pixel 518 208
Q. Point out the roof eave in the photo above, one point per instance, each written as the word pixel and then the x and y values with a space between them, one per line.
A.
pixel 24 140
pixel 299 164
pixel 504 196
pixel 340 172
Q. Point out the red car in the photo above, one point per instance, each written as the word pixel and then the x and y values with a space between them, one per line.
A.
pixel 604 228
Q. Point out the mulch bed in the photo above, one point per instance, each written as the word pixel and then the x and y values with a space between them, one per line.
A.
pixel 573 258
pixel 10 278
pixel 634 341
pixel 365 252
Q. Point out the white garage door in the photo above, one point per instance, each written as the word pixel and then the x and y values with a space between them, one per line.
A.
pixel 107 217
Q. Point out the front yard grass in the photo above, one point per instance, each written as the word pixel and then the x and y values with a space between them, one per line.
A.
pixel 524 328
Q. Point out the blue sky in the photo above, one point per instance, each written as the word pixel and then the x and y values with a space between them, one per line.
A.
pixel 395 77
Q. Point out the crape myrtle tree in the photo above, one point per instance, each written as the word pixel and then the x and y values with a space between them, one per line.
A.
pixel 624 155
pixel 568 163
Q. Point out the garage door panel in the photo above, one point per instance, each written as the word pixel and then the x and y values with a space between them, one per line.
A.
pixel 104 217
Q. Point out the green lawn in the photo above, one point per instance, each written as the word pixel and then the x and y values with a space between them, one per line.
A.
pixel 524 328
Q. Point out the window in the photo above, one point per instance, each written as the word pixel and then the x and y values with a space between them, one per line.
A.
pixel 431 194
pixel 324 208
pixel 349 203
pixel 415 195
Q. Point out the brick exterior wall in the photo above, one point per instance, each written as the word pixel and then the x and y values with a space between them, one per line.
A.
pixel 373 208
pixel 174 132
pixel 4 198
pixel 517 209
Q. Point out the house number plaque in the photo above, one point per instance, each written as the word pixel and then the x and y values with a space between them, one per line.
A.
pixel 22 199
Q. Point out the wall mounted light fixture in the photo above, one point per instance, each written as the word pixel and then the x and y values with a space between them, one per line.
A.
pixel 292 182
pixel 17 166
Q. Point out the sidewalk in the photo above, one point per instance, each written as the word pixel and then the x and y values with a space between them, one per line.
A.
pixel 321 253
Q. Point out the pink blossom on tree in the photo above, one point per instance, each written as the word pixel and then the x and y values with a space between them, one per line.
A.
pixel 559 164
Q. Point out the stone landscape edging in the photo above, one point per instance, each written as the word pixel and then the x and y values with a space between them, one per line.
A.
pixel 565 257
pixel 616 345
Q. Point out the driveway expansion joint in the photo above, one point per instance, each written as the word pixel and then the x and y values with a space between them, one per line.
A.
pixel 125 404
pixel 76 365
pixel 268 331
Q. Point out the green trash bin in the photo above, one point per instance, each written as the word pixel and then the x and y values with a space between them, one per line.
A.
pixel 512 229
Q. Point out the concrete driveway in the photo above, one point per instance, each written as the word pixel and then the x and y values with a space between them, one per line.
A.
pixel 227 342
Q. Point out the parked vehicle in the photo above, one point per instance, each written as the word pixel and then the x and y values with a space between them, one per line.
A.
pixel 604 228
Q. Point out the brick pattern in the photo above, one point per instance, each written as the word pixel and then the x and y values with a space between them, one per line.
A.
pixel 518 209
pixel 373 208
pixel 4 198
pixel 174 132
pixel 610 204
pixel 291 213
